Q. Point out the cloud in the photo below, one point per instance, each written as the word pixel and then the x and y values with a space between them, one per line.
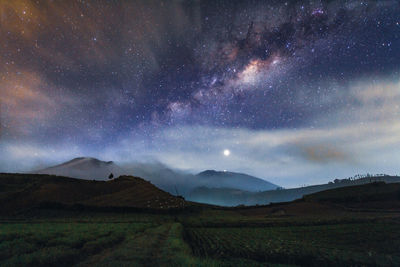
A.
pixel 23 98
pixel 321 153
pixel 377 100
pixel 29 102
pixel 22 157
pixel 288 157
pixel 285 157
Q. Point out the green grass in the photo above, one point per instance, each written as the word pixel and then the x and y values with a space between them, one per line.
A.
pixel 33 244
pixel 101 244
pixel 158 246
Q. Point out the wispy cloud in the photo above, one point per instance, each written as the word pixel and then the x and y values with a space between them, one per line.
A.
pixel 288 157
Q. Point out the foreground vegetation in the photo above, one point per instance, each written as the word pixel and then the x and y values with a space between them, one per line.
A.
pixel 353 226
pixel 65 242
pixel 139 239
pixel 324 245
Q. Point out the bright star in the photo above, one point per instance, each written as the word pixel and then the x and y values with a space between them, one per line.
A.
pixel 227 152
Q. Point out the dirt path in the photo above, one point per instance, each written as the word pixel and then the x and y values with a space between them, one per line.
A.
pixel 156 252
pixel 143 249
pixel 104 254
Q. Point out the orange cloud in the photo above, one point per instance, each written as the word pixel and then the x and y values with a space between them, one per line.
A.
pixel 321 153
pixel 24 100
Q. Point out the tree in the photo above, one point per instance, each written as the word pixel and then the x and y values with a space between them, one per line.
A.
pixel 111 176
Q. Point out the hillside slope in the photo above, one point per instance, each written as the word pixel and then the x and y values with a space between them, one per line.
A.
pixel 379 195
pixel 21 191
pixel 348 202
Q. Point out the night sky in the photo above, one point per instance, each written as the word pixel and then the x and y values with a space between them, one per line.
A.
pixel 298 92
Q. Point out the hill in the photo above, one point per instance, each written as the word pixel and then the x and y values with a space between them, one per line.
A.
pixel 225 179
pixel 232 197
pixel 84 168
pixel 379 195
pixel 352 202
pixel 24 191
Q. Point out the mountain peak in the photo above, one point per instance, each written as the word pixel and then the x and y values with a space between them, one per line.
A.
pixel 85 160
pixel 84 167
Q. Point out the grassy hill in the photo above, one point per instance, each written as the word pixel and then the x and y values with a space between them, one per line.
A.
pixel 372 198
pixel 378 195
pixel 21 191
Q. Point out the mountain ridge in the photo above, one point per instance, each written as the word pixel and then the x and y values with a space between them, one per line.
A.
pixel 170 180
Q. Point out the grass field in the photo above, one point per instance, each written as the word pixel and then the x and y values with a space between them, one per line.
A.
pixel 60 243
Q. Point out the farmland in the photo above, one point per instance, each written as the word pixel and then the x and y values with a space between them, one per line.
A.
pixel 356 226
pixel 144 240
pixel 335 245
pixel 140 239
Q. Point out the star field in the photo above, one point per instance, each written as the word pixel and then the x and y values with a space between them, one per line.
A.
pixel 273 82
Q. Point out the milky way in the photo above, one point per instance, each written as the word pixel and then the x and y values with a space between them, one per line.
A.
pixel 293 89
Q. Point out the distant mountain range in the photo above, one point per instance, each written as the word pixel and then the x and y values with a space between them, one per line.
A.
pixel 210 186
pixel 234 197
pixel 172 181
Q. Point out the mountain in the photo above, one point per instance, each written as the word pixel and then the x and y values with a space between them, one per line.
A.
pixel 224 179
pixel 84 168
pixel 173 181
pixel 25 191
pixel 170 180
pixel 179 182
pixel 234 197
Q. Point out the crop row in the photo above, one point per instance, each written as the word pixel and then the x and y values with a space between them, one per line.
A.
pixel 352 244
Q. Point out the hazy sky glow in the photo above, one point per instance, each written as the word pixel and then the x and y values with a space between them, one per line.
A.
pixel 300 92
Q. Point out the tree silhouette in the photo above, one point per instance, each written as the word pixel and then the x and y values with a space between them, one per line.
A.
pixel 111 176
